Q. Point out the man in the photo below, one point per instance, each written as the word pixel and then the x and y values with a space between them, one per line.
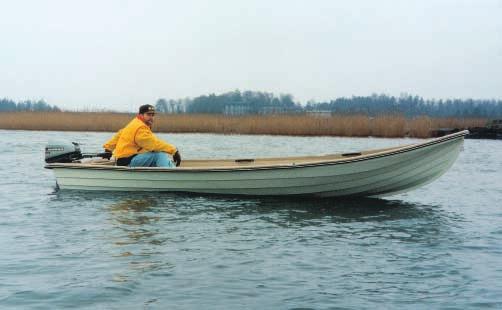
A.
pixel 135 145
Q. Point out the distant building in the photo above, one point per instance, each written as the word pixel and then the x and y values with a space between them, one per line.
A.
pixel 271 110
pixel 243 110
pixel 278 110
pixel 319 113
pixel 236 110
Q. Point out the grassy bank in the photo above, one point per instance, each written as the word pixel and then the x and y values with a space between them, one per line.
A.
pixel 356 126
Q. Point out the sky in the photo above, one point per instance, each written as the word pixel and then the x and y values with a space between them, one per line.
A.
pixel 121 54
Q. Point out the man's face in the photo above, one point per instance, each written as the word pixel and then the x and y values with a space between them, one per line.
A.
pixel 148 117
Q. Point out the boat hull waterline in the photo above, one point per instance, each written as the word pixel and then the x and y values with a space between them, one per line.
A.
pixel 371 174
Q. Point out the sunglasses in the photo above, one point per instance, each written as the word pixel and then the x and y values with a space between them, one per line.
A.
pixel 150 114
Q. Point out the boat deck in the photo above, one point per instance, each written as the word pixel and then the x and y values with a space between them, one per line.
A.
pixel 258 162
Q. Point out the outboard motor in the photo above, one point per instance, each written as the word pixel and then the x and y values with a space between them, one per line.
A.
pixel 67 152
pixel 62 152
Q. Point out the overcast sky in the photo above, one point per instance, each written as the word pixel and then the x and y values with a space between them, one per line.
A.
pixel 120 54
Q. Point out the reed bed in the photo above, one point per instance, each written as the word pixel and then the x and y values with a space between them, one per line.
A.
pixel 295 125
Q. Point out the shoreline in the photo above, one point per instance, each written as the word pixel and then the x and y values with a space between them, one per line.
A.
pixel 385 126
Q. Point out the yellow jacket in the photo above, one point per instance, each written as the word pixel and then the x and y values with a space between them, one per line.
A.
pixel 136 138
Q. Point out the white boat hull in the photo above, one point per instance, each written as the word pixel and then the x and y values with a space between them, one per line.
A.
pixel 376 174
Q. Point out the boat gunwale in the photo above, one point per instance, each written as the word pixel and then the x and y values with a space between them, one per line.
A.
pixel 363 157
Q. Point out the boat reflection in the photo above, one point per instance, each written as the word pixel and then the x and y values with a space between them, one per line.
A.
pixel 149 232
pixel 138 238
pixel 139 215
pixel 147 208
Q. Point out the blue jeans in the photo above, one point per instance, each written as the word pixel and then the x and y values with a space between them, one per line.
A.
pixel 152 159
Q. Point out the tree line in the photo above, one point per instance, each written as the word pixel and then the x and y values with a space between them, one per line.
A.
pixel 234 102
pixel 7 105
pixel 253 102
pixel 410 106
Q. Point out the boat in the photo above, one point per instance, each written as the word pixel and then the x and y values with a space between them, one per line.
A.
pixel 372 173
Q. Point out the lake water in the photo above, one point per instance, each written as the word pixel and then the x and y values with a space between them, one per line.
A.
pixel 439 246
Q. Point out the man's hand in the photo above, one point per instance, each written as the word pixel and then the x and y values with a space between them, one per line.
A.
pixel 106 155
pixel 177 158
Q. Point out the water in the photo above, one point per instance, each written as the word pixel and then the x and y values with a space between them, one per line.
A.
pixel 437 247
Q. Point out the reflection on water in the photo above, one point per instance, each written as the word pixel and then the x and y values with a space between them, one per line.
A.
pixel 133 211
pixel 147 208
pixel 141 217
pixel 140 208
pixel 136 235
pixel 149 231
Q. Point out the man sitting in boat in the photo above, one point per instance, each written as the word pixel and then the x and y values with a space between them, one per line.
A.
pixel 135 145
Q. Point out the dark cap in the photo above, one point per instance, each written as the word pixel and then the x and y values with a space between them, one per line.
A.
pixel 146 108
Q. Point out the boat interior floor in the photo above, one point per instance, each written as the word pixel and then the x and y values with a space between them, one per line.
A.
pixel 251 162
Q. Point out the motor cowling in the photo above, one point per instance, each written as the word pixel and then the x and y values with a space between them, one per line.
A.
pixel 62 152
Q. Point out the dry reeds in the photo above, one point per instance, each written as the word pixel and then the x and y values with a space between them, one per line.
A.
pixel 304 125
pixel 64 121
